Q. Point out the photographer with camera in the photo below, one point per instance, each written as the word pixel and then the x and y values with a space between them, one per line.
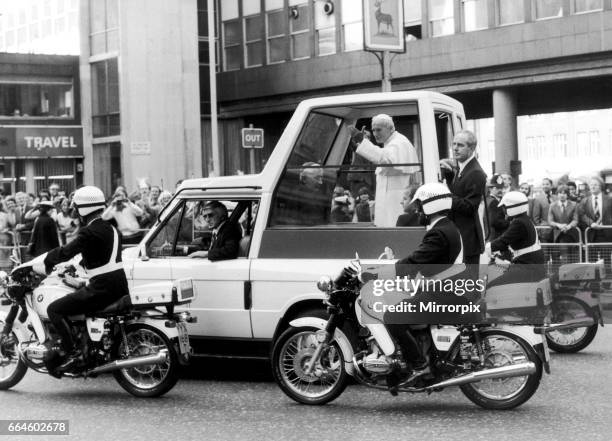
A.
pixel 126 214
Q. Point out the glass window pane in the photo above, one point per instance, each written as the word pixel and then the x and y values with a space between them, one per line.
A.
pixel 549 8
pixel 351 13
pixel 232 32
pixel 254 54
pixel 113 86
pixel 98 83
pixel 250 7
pixel 112 14
pixel 475 14
pixel 277 48
pixel 412 11
pixel 588 5
pixel 511 11
pixel 274 4
pixel 443 27
pixel 300 45
pixel 229 9
pixel 276 23
pixel 302 22
pixel 112 41
pixel 323 20
pixel 232 57
pixel 440 9
pixel 353 36
pixel 326 40
pixel 203 52
pixel 253 27
pixel 97 16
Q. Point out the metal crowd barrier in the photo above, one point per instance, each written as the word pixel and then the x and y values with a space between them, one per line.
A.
pixel 558 253
pixel 8 248
pixel 598 245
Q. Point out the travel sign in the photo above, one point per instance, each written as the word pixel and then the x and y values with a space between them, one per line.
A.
pixel 41 142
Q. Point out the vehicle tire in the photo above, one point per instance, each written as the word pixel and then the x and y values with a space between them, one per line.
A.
pixel 12 368
pixel 573 339
pixel 152 380
pixel 291 351
pixel 503 348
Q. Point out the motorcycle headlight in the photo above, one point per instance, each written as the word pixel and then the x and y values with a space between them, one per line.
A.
pixel 325 284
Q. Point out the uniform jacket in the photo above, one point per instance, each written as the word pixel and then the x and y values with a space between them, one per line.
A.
pixel 227 243
pixel 557 216
pixel 521 233
pixel 497 220
pixel 468 190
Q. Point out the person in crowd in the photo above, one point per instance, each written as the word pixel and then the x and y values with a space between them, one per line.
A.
pixel 44 234
pixel 364 208
pixel 525 188
pixel 23 206
pixel 162 201
pixel 563 217
pixel 595 212
pixel 66 223
pixel 467 182
pixel 7 223
pixel 521 239
pixel 154 195
pixel 541 206
pixel 507 179
pixel 496 216
pixel 342 205
pixel 226 235
pixel 410 216
pixel 390 180
pixel 126 214
pixel 573 192
pixel 12 211
pixel 54 189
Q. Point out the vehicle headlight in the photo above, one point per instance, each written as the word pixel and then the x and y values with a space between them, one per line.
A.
pixel 325 284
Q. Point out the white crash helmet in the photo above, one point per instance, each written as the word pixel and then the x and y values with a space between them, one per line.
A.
pixel 88 199
pixel 515 202
pixel 434 197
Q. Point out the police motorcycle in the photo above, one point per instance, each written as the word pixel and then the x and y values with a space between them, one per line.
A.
pixel 496 366
pixel 140 338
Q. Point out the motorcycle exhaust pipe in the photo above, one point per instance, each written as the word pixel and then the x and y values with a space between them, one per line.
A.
pixel 574 323
pixel 159 358
pixel 514 370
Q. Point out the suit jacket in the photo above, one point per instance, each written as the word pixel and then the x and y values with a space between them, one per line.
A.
pixel 227 244
pixel 557 217
pixel 587 217
pixel 540 209
pixel 468 190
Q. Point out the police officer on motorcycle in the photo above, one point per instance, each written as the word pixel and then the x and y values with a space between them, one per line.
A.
pixel 440 254
pixel 99 243
pixel 521 239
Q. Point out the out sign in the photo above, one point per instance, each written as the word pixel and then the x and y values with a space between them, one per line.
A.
pixel 252 138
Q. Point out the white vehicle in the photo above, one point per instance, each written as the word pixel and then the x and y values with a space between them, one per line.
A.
pixel 244 303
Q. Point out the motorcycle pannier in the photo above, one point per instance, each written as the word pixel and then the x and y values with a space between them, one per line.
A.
pixel 519 302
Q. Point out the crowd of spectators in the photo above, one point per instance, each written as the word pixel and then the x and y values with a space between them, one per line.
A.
pixel 39 223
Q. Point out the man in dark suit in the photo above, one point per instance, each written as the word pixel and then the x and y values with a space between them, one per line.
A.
pixel 595 211
pixel 226 235
pixel 467 182
pixel 563 217
pixel 541 206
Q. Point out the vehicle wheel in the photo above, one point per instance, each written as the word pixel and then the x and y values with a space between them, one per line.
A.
pixel 151 380
pixel 502 349
pixel 291 351
pixel 573 339
pixel 12 368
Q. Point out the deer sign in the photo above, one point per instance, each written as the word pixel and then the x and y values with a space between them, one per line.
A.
pixel 381 17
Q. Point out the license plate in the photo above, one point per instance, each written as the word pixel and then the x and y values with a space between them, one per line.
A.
pixel 183 338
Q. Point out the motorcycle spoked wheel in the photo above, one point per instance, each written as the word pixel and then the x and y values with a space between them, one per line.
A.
pixel 502 349
pixel 151 380
pixel 12 368
pixel 573 339
pixel 292 350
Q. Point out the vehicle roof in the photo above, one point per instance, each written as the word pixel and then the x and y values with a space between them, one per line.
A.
pixel 391 97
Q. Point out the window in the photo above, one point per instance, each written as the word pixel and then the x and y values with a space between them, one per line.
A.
pixel 582 143
pixel 441 17
pixel 185 231
pixel 511 11
pixel 324 178
pixel 352 27
pixel 549 8
pixel 594 142
pixel 475 15
pixel 231 44
pixel 560 144
pixel 105 98
pixel 253 46
pixel 107 172
pixel 587 5
pixel 299 27
pixel 104 25
pixel 276 22
pixel 33 98
pixel 325 28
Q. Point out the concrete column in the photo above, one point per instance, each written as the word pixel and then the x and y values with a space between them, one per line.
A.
pixel 506 138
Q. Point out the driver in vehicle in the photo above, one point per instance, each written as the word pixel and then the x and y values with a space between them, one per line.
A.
pixel 99 243
pixel 226 235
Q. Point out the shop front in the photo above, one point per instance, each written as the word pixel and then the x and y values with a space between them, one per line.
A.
pixel 34 157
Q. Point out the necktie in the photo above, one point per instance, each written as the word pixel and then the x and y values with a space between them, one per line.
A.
pixel 213 239
pixel 563 207
pixel 548 197
pixel 596 208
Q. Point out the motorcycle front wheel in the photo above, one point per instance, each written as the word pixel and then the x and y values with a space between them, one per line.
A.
pixel 291 353
pixel 502 349
pixel 570 340
pixel 12 368
pixel 151 380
